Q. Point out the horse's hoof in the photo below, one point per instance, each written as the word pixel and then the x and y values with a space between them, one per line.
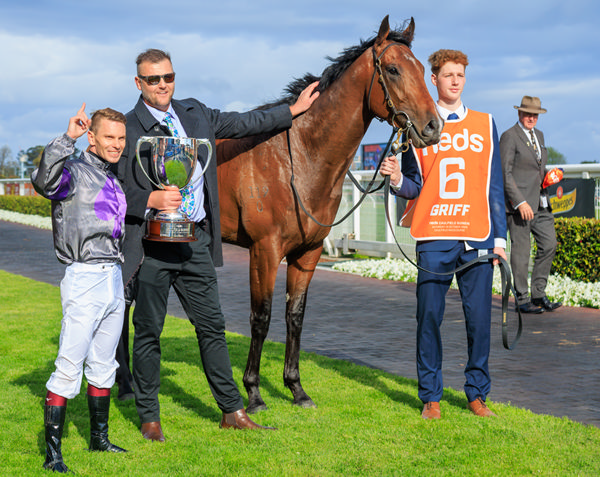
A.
pixel 253 409
pixel 305 403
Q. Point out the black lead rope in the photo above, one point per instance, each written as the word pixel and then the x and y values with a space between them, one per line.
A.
pixel 505 275
pixel 504 268
pixel 365 192
pixel 369 189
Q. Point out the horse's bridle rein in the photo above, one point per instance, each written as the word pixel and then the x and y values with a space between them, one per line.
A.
pixel 395 146
pixel 402 147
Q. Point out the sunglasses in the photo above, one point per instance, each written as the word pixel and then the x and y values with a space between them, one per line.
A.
pixel 153 80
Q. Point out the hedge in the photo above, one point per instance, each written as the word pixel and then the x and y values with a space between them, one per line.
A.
pixel 578 249
pixel 31 205
pixel 577 252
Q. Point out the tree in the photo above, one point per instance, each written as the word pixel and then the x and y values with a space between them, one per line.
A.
pixel 555 157
pixel 8 166
pixel 34 156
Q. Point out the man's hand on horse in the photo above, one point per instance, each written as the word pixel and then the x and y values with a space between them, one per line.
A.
pixel 391 167
pixel 305 100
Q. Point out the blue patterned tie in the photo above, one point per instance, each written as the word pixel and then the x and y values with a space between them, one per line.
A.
pixel 188 199
pixel 452 116
pixel 171 125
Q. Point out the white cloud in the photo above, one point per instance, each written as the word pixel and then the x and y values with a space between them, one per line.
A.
pixel 233 55
pixel 52 76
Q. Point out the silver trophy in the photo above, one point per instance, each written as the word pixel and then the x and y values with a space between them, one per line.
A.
pixel 173 161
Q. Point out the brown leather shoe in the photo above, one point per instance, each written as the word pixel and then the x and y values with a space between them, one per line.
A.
pixel 152 431
pixel 240 420
pixel 479 408
pixel 431 410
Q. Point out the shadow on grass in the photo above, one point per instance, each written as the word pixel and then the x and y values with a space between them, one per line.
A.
pixel 372 379
pixel 77 408
pixel 238 349
pixel 171 388
pixel 185 350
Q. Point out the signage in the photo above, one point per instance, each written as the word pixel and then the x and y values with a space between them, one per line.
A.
pixel 573 198
pixel 371 156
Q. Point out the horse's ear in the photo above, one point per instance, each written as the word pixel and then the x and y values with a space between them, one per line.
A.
pixel 409 32
pixel 384 29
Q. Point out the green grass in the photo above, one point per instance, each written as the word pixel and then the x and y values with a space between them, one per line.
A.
pixel 367 421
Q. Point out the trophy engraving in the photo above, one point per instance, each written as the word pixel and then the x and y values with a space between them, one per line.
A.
pixel 173 161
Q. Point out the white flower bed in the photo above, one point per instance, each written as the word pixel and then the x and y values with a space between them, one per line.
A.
pixel 33 220
pixel 570 292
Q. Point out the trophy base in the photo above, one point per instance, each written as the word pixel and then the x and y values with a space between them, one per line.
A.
pixel 170 230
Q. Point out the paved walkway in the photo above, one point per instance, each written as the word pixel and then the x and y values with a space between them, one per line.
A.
pixel 554 369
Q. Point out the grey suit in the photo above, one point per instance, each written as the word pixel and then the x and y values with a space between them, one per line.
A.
pixel 523 177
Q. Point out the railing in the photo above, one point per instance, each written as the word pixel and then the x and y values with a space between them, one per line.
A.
pixel 16 187
pixel 366 231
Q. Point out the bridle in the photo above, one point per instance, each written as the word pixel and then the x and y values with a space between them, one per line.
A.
pixel 398 145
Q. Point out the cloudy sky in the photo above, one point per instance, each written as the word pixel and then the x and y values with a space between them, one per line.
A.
pixel 237 54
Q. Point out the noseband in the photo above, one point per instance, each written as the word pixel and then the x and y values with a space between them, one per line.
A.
pixel 397 145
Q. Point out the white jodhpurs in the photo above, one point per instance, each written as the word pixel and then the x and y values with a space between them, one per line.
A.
pixel 93 305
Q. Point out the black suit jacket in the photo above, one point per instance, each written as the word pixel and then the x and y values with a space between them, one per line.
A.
pixel 199 121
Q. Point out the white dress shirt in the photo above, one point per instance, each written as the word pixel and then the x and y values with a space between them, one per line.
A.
pixel 197 180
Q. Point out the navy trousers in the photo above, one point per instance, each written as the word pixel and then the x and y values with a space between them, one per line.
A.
pixel 475 284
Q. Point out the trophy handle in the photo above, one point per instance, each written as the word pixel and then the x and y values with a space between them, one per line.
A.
pixel 208 145
pixel 140 141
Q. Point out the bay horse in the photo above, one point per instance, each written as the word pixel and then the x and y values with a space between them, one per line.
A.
pixel 261 212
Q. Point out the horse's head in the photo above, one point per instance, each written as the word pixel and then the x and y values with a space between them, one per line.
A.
pixel 400 96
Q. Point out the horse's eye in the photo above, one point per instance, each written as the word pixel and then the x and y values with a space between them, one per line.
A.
pixel 392 70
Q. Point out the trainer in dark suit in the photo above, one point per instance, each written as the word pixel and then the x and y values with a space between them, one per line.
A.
pixel 528 211
pixel 188 267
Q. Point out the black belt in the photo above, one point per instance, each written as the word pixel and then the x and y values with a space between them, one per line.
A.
pixel 204 224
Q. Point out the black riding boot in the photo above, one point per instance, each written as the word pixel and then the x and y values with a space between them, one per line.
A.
pixel 54 422
pixel 98 406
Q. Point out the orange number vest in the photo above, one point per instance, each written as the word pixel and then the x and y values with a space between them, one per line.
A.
pixel 453 203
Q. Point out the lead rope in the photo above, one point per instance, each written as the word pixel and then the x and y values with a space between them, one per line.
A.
pixel 505 274
pixel 365 192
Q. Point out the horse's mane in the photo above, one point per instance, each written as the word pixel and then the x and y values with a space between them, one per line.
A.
pixel 337 67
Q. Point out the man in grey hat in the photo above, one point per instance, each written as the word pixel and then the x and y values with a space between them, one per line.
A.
pixel 524 158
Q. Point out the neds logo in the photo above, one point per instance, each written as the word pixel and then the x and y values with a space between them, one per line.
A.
pixel 458 142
